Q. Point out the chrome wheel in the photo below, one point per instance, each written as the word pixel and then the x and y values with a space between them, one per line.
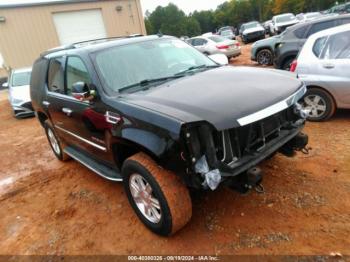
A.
pixel 316 105
pixel 53 141
pixel 142 194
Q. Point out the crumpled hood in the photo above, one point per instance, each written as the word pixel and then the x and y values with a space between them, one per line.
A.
pixel 219 96
pixel 19 93
pixel 253 30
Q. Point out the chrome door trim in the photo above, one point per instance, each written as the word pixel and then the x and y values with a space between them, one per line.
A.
pixel 82 139
pixel 278 107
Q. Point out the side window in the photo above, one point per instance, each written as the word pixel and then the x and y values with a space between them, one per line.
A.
pixel 318 46
pixel 55 79
pixel 337 46
pixel 76 72
pixel 198 42
pixel 320 26
pixel 300 32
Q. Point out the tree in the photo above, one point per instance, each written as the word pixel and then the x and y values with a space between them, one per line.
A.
pixel 205 20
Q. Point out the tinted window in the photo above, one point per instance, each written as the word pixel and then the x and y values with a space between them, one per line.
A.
pixel 55 79
pixel 198 42
pixel 318 46
pixel 76 72
pixel 337 46
pixel 20 79
pixel 300 32
pixel 320 26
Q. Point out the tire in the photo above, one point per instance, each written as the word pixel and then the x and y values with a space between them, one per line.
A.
pixel 171 206
pixel 54 142
pixel 287 63
pixel 321 104
pixel 264 57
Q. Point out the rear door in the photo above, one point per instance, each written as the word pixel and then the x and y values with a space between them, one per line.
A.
pixel 335 66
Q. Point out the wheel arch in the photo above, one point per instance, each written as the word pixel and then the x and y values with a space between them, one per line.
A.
pixel 42 118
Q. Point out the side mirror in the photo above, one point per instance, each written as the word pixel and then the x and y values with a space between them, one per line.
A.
pixel 81 91
pixel 220 59
pixel 5 85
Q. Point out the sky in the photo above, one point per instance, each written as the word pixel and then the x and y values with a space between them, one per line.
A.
pixel 187 6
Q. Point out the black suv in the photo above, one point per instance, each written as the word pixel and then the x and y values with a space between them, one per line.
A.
pixel 289 45
pixel 160 116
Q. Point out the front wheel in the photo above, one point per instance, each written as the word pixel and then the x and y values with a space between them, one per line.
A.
pixel 319 103
pixel 159 198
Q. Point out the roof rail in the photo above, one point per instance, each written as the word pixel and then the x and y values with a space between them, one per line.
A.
pixel 86 42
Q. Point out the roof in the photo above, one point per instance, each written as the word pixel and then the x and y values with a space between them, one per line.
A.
pixel 96 45
pixel 43 2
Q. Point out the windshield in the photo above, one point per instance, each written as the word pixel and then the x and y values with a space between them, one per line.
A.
pixel 251 25
pixel 285 18
pixel 123 66
pixel 217 39
pixel 20 79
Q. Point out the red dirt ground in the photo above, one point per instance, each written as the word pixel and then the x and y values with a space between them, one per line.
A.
pixel 49 207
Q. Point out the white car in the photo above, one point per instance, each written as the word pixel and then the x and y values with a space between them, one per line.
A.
pixel 281 22
pixel 19 95
pixel 324 65
pixel 252 31
pixel 213 44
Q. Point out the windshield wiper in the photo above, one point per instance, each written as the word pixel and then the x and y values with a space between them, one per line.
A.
pixel 146 82
pixel 192 68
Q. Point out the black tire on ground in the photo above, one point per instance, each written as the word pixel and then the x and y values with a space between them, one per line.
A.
pixel 51 136
pixel 320 102
pixel 264 57
pixel 287 63
pixel 172 199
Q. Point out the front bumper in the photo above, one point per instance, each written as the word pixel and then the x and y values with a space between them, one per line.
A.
pixel 23 109
pixel 255 35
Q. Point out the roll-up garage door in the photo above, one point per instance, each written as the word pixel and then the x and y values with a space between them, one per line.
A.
pixel 79 26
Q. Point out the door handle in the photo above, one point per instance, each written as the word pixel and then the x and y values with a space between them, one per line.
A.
pixel 45 103
pixel 67 111
pixel 328 66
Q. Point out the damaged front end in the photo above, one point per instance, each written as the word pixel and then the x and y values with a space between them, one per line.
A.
pixel 231 156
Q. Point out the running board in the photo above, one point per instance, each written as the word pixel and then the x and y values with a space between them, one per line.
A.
pixel 98 168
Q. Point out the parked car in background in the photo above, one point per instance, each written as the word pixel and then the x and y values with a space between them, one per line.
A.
pixel 225 28
pixel 262 51
pixel 229 34
pixel 289 45
pixel 282 22
pixel 19 95
pixel 308 16
pixel 214 44
pixel 339 9
pixel 172 121
pixel 324 66
pixel 251 31
pixel 267 26
pixel 3 80
pixel 184 38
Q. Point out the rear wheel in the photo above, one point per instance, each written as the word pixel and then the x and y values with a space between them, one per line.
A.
pixel 264 57
pixel 54 142
pixel 159 198
pixel 320 104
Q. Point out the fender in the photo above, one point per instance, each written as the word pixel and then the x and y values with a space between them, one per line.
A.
pixel 155 144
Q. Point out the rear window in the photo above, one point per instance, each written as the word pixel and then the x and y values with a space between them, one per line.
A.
pixel 318 46
pixel 217 39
